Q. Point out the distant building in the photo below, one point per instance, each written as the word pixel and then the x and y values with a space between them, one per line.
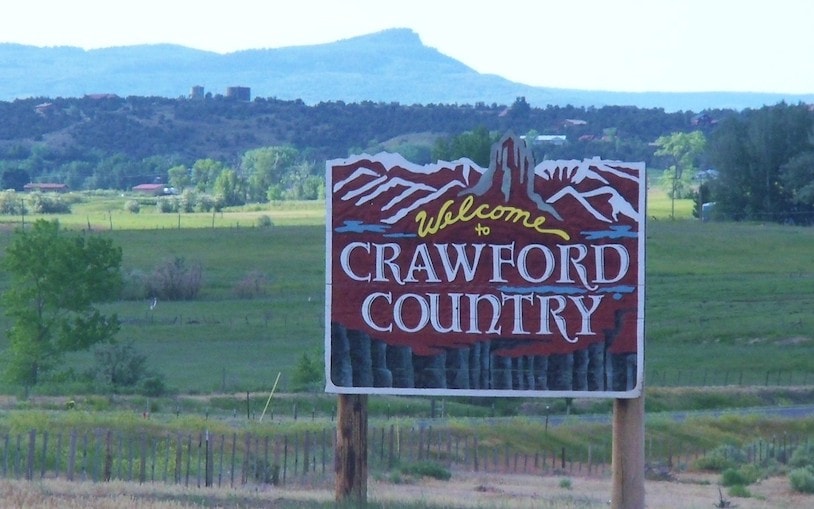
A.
pixel 239 93
pixel 153 189
pixel 99 97
pixel 44 108
pixel 550 139
pixel 197 92
pixel 46 187
pixel 702 120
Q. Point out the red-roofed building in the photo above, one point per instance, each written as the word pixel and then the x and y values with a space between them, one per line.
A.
pixel 153 189
pixel 46 187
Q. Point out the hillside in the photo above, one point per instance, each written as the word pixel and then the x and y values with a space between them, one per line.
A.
pixel 70 139
pixel 389 66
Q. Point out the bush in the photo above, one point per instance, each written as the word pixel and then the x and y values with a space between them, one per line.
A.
pixel 11 203
pixel 153 386
pixel 49 204
pixel 134 285
pixel 205 203
pixel 721 458
pixel 427 469
pixel 188 200
pixel 745 475
pixel 117 367
pixel 175 280
pixel 252 285
pixel 739 490
pixel 132 206
pixel 802 479
pixel 803 456
pixel 264 221
pixel 167 204
pixel 307 374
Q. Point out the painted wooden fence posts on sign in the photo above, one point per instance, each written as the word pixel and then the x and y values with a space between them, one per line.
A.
pixel 512 280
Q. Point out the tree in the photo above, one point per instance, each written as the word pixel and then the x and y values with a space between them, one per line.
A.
pixel 179 177
pixel 266 166
pixel 761 163
pixel 56 280
pixel 797 176
pixel 476 145
pixel 228 189
pixel 205 172
pixel 683 150
pixel 308 374
pixel 118 365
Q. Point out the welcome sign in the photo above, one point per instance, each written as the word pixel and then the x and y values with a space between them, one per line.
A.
pixel 513 280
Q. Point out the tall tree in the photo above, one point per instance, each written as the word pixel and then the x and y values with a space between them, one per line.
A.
pixel 205 172
pixel 56 280
pixel 179 177
pixel 265 167
pixel 750 152
pixel 683 151
pixel 476 145
pixel 228 189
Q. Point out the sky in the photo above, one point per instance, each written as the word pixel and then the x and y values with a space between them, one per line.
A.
pixel 617 45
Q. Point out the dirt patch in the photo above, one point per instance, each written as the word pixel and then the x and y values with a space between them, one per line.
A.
pixel 685 491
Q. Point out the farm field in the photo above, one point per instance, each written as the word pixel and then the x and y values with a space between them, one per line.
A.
pixel 727 303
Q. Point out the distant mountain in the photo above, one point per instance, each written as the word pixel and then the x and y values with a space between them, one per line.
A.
pixel 388 66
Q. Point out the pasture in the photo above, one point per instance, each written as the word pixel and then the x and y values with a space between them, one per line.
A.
pixel 730 298
pixel 727 305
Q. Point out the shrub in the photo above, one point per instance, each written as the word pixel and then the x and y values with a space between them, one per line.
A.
pixel 205 203
pixel 802 479
pixel 188 201
pixel 307 374
pixel 167 204
pixel 117 366
pixel 11 203
pixel 134 285
pixel 803 456
pixel 427 469
pixel 745 475
pixel 251 286
pixel 565 483
pixel 739 490
pixel 175 279
pixel 153 386
pixel 721 458
pixel 132 206
pixel 48 204
pixel 264 221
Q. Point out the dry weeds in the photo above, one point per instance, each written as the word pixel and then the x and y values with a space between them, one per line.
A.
pixel 465 490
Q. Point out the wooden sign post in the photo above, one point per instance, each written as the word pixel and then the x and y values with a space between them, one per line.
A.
pixel 351 449
pixel 628 454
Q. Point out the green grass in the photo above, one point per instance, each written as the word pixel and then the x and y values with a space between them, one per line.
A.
pixel 734 298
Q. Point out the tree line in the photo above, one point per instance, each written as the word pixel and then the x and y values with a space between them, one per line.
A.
pixel 116 143
pixel 224 152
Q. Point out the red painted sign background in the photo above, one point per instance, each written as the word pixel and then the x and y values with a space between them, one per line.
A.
pixel 544 263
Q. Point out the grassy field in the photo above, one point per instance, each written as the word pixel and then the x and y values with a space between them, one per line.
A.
pixel 721 297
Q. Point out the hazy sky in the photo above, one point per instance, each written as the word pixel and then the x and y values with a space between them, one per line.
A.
pixel 624 45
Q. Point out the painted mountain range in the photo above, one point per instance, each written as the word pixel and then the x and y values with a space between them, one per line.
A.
pixel 397 187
